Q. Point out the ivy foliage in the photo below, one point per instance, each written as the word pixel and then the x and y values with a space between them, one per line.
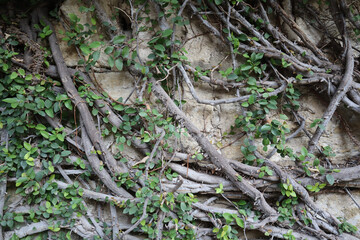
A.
pixel 33 151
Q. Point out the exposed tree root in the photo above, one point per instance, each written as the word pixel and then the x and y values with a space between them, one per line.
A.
pixel 159 194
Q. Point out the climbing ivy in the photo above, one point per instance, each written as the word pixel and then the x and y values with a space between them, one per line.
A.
pixel 35 150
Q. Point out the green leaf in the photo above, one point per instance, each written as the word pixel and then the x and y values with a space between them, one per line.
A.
pixel 20 180
pixel 239 178
pixel 51 168
pixel 94 111
pixel 143 114
pixel 316 121
pixel 316 162
pixel 245 104
pixel 259 56
pixel 119 107
pixel 299 77
pixel 251 148
pixel 10 223
pixel 96 56
pixel 73 17
pixel 11 100
pixel 125 52
pixel 21 72
pixel 219 189
pixel 228 71
pixel 50 112
pixel 45 134
pixel 245 67
pixel 283 117
pixel 39 175
pixel 265 128
pixel 242 37
pixel 251 81
pixel 85 49
pixel 95 44
pixel 60 137
pixel 13 75
pixel 119 39
pixel 19 218
pixel 130 110
pixel 65 153
pixel 250 157
pixel 111 61
pixel 159 47
pixel 68 105
pixel 251 99
pixel 27 155
pixel 330 179
pixel 28 77
pixel 147 138
pixel 109 50
pixel 167 32
pixel 310 188
pixel 93 21
pixel 55 229
pixel 122 139
pixel 225 231
pixel 121 147
pixel 40 127
pixel 232 76
pixel 39 88
pixel 56 158
pixel 119 64
pixel 27 146
pixel 304 151
pixel 48 103
pixel 322 170
pixel 228 217
pixel 164 208
pixel 239 222
pixel 183 206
